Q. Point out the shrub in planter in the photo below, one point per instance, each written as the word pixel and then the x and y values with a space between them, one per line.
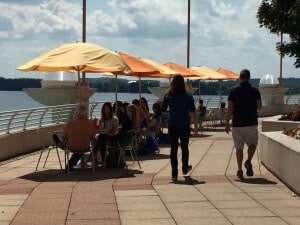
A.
pixel 295 133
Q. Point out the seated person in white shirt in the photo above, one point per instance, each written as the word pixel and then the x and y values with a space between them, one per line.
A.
pixel 109 124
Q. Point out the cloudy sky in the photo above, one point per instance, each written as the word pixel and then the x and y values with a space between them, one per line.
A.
pixel 224 33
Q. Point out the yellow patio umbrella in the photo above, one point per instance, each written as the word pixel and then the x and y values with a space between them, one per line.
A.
pixel 229 74
pixel 183 70
pixel 78 57
pixel 209 74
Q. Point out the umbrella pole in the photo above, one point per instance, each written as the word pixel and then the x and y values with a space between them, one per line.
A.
pixel 116 88
pixel 140 88
pixel 199 92
pixel 220 93
pixel 79 91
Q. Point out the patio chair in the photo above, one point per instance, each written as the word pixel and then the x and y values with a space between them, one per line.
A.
pixel 212 118
pixel 45 138
pixel 201 118
pixel 82 152
pixel 128 143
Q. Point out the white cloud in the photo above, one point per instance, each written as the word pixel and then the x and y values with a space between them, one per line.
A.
pixel 224 33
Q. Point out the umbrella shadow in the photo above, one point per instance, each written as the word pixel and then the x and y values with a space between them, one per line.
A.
pixel 57 175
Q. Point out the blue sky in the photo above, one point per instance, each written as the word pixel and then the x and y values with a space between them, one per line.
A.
pixel 224 33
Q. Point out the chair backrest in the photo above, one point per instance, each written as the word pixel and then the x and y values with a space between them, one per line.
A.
pixel 56 139
pixel 128 140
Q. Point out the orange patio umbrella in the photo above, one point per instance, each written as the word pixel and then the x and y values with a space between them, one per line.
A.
pixel 229 74
pixel 138 68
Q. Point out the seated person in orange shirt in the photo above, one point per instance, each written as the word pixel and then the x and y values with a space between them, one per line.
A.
pixel 78 134
pixel 143 113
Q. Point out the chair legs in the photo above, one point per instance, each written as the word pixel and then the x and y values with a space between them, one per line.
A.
pixel 82 162
pixel 44 135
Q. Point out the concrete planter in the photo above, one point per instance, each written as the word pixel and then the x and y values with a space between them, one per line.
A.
pixel 274 124
pixel 281 155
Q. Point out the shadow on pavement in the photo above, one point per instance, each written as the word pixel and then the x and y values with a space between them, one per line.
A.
pixel 55 175
pixel 257 180
pixel 188 181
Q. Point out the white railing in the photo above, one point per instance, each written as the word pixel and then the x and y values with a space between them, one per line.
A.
pixel 292 100
pixel 21 120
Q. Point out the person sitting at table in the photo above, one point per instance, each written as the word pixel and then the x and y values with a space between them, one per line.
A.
pixel 144 105
pixel 124 120
pixel 78 134
pixel 141 113
pixel 157 114
pixel 108 129
pixel 132 114
pixel 201 108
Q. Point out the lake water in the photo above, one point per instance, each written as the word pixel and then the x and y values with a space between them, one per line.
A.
pixel 16 100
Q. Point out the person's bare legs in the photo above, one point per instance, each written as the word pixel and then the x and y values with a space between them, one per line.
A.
pixel 239 158
pixel 248 164
pixel 251 151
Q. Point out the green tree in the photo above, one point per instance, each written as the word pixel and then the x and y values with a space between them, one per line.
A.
pixel 283 16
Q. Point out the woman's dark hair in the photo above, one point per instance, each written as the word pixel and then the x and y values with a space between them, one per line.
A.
pixel 110 114
pixel 177 85
pixel 144 102
pixel 116 105
pixel 156 108
pixel 135 102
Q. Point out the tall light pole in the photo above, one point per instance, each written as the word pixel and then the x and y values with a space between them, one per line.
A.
pixel 188 35
pixel 83 30
pixel 83 20
pixel 280 66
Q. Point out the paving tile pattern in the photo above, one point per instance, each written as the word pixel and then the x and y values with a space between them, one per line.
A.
pixel 209 194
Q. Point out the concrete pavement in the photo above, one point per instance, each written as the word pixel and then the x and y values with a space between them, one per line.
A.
pixel 210 194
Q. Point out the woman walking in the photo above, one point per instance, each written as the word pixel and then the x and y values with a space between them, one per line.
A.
pixel 181 107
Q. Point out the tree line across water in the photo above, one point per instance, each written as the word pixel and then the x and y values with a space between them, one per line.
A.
pixel 104 84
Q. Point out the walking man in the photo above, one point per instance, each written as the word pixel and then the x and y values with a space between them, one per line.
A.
pixel 243 102
pixel 181 108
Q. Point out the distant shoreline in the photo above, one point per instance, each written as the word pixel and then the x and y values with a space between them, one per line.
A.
pixel 106 85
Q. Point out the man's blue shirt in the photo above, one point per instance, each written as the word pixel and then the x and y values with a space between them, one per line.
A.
pixel 244 97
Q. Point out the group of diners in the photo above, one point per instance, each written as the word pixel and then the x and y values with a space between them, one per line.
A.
pixel 115 120
pixel 121 117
